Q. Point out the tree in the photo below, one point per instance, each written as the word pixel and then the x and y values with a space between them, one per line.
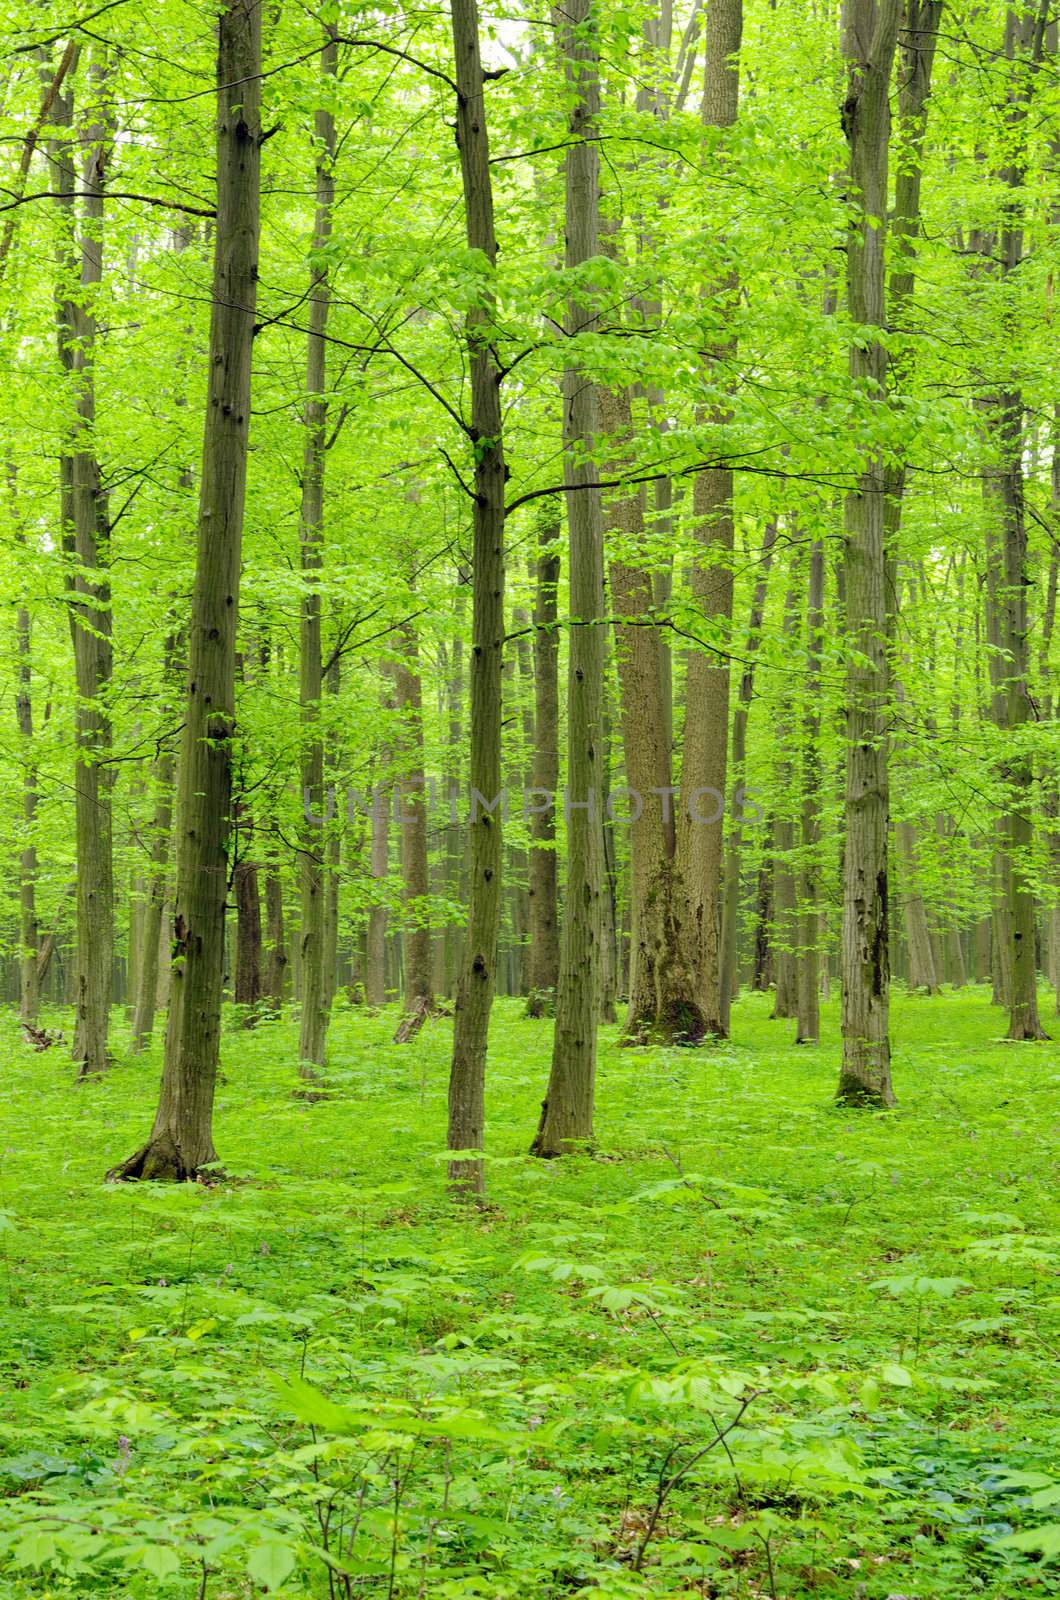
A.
pixel 181 1142
pixel 865 1076
pixel 704 766
pixel 478 974
pixel 313 1036
pixel 543 932
pixel 85 537
pixel 567 1109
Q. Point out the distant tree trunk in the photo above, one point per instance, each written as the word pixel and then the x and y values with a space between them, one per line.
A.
pixel 378 914
pixel 151 917
pixel 663 1001
pixel 312 1041
pixel 865 1076
pixel 543 973
pixel 247 991
pixel 478 976
pixel 412 810
pixel 609 954
pixel 276 966
pixel 521 784
pixel 704 769
pixel 29 931
pixel 332 859
pixel 181 1141
pixel 86 534
pixel 451 945
pixel 785 892
pixel 808 1023
pixel 922 971
pixel 567 1109
pixel 745 694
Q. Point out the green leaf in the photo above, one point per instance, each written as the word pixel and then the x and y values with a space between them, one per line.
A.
pixel 271 1562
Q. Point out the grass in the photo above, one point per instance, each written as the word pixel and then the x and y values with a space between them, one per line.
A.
pixel 751 1345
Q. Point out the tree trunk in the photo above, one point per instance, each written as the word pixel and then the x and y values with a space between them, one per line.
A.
pixel 312 1041
pixel 865 1076
pixel 731 903
pixel 543 975
pixel 1008 576
pixel 151 917
pixel 567 1109
pixel 478 975
pixel 412 810
pixel 181 1142
pixel 276 964
pixel 808 1023
pixel 450 947
pixel 29 931
pixel 332 859
pixel 86 533
pixel 663 999
pixel 923 975
pixel 247 989
pixel 704 768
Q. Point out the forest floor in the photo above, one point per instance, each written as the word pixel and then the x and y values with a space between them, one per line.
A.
pixel 319 1377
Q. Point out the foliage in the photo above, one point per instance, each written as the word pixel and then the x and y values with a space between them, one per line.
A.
pixel 320 1378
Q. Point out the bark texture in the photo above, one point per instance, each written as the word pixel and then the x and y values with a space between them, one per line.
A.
pixel 865 1076
pixel 86 533
pixel 181 1142
pixel 706 731
pixel 312 1038
pixel 543 968
pixel 412 811
pixel 567 1110
pixel 478 975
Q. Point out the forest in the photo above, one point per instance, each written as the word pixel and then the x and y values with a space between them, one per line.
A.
pixel 530 851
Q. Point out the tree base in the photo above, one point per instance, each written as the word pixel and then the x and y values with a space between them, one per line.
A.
pixel 858 1096
pixel 679 1022
pixel 542 1003
pixel 1027 1033
pixel 159 1161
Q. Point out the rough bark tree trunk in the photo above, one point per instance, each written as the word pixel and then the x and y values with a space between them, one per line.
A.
pixel 478 975
pixel 663 996
pixel 865 1076
pixel 158 846
pixel 808 1021
pixel 543 973
pixel 181 1142
pixel 312 1038
pixel 29 930
pixel 412 810
pixel 731 904
pixel 86 533
pixel 247 986
pixel 567 1110
pixel 704 768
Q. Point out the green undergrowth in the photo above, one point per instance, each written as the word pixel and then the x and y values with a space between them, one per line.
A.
pixel 750 1345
